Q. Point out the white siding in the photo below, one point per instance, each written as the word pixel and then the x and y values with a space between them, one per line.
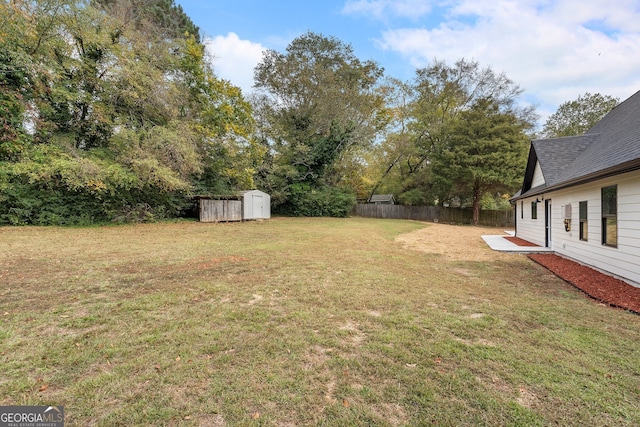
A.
pixel 538 177
pixel 622 261
pixel 530 229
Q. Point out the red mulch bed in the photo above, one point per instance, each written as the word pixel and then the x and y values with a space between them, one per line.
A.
pixel 599 286
pixel 518 241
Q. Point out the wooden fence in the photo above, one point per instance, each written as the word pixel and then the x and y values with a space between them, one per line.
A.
pixel 436 214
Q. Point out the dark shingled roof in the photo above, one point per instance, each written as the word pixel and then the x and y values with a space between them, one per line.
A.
pixel 610 147
pixel 557 154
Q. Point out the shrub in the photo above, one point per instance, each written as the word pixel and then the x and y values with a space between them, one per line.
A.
pixel 308 201
pixel 58 190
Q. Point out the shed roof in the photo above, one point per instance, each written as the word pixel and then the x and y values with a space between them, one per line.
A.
pixel 235 196
pixel 381 198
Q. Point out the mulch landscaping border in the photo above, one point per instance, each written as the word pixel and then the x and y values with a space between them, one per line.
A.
pixel 599 286
pixel 520 242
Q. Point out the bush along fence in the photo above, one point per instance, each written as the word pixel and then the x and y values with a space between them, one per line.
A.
pixel 436 214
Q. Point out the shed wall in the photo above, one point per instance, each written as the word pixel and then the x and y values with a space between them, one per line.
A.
pixel 220 210
pixel 257 205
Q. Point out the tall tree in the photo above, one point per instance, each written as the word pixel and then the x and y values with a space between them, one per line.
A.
pixel 16 78
pixel 319 103
pixel 395 158
pixel 110 117
pixel 445 92
pixel 167 18
pixel 578 116
pixel 485 151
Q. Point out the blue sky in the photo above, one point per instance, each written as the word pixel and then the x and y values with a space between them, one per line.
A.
pixel 555 50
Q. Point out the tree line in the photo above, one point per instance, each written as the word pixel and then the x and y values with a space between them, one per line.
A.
pixel 111 111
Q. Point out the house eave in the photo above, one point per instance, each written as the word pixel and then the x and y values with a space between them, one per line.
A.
pixel 630 166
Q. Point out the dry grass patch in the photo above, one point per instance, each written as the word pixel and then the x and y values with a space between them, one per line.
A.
pixel 304 322
pixel 452 242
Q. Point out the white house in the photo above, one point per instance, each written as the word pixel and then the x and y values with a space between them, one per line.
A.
pixel 581 194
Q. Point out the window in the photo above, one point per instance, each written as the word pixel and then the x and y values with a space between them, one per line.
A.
pixel 610 216
pixel 584 232
pixel 534 210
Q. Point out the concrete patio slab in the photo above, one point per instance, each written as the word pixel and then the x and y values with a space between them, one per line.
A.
pixel 499 243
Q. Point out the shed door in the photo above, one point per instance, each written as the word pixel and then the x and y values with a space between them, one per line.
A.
pixel 256 202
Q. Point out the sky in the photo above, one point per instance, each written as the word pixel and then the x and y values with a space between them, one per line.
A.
pixel 555 50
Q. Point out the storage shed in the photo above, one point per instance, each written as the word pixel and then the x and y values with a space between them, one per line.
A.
pixel 247 205
pixel 382 199
pixel 256 205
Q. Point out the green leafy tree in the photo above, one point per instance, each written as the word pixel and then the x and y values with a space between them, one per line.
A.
pixel 394 157
pixel 318 105
pixel 18 78
pixel 111 117
pixel 485 152
pixel 443 93
pixel 223 122
pixel 578 116
pixel 167 18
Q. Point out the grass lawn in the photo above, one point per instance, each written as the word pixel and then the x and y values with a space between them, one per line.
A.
pixel 304 322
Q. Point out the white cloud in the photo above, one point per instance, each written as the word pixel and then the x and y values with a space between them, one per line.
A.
pixel 554 49
pixel 234 59
pixel 379 9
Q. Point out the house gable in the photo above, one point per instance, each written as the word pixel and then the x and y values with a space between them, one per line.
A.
pixel 538 176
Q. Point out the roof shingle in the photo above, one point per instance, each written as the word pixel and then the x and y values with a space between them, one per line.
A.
pixel 612 144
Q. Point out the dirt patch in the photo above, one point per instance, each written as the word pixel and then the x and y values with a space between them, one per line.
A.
pixel 526 398
pixel 597 285
pixel 392 413
pixel 356 336
pixel 215 420
pixel 203 263
pixel 256 298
